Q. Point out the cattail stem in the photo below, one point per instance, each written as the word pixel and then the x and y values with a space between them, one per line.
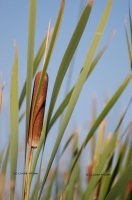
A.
pixel 26 190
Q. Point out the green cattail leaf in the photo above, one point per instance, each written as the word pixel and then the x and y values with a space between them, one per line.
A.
pixel 30 58
pixel 22 116
pixel 121 183
pixel 14 121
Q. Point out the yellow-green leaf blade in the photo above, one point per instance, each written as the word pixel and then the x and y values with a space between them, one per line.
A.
pixel 14 121
pixel 30 56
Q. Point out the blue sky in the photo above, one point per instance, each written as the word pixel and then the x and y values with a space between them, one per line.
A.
pixel 108 75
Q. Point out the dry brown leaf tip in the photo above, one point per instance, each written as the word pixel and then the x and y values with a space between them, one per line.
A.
pixel 89 170
pixel 63 1
pixel 90 2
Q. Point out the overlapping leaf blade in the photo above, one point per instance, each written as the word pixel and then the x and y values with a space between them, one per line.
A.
pixel 104 113
pixel 65 102
pixel 79 84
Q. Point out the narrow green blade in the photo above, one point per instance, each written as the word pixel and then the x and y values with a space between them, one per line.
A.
pixel 14 121
pixel 22 116
pixel 30 58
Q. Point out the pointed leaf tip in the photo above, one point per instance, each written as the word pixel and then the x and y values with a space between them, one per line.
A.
pixel 91 2
pixel 63 2
pixel 15 46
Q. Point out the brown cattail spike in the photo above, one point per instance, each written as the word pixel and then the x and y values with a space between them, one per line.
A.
pixel 36 123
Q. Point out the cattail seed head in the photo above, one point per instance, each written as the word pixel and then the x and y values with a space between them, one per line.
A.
pixel 36 118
